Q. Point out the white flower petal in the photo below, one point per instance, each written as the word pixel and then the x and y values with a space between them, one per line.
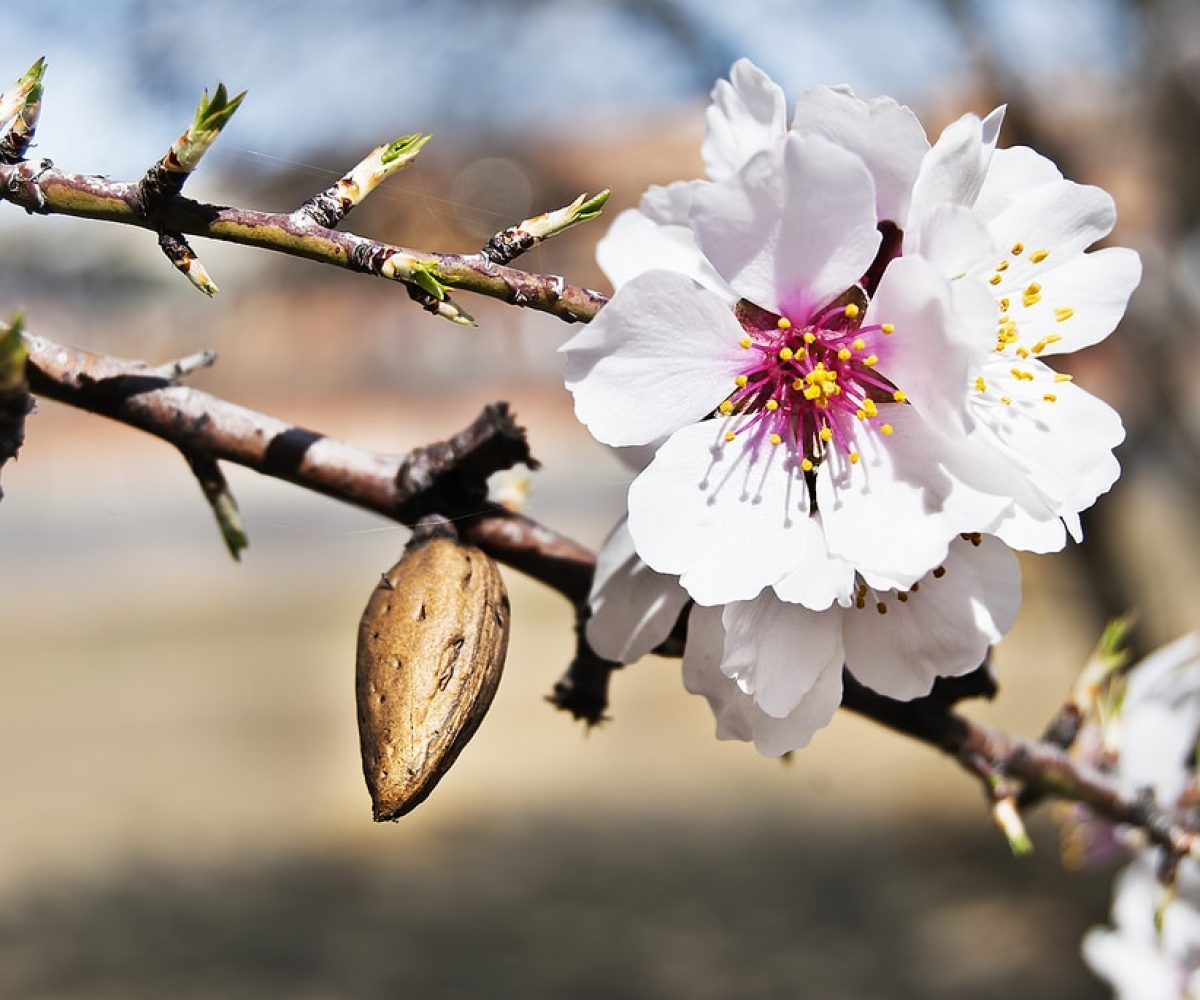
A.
pixel 634 245
pixel 633 608
pixel 893 513
pixel 778 652
pixel 737 715
pixel 662 354
pixel 747 115
pixel 935 343
pixel 1012 173
pixel 1081 301
pixel 725 518
pixel 1062 218
pixel 671 204
pixel 820 579
pixel 794 229
pixel 941 630
pixel 954 169
pixel 886 135
pixel 953 239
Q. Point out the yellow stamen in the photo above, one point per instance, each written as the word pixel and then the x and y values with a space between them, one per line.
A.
pixel 1007 401
pixel 844 354
pixel 740 381
pixel 772 405
pixel 745 343
pixel 1039 255
pixel 888 328
pixel 1017 249
pixel 1002 266
pixel 1063 314
pixel 871 409
pixel 730 436
pixel 798 384
pixel 994 279
pixel 887 429
pixel 809 336
pixel 900 396
pixel 775 439
pixel 806 464
pixel 871 360
pixel 851 311
pixel 1050 397
pixel 859 344
pixel 826 434
pixel 861 414
pixel 783 323
pixel 1023 352
pixel 726 407
pixel 786 354
pixel 854 456
pixel 812 392
pixel 1063 377
pixel 980 384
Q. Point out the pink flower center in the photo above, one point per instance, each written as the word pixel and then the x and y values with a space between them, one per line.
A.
pixel 809 382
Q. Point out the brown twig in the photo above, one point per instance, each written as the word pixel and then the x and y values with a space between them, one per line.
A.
pixel 44 189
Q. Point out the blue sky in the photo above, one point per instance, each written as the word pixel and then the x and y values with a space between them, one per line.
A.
pixel 124 75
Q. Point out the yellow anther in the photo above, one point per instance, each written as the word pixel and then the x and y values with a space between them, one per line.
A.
pixel 1004 304
pixel 812 392
pixel 1050 398
pixel 798 384
pixel 1039 255
pixel 775 439
pixel 1007 401
pixel 1033 289
pixel 1017 249
pixel 726 407
pixel 854 457
pixel 861 414
pixel 745 343
pixel 826 434
pixel 806 464
pixel 994 279
pixel 783 323
pixel 1023 352
pixel 871 360
pixel 730 436
pixel 1028 299
pixel 844 354
pixel 1002 266
pixel 887 429
pixel 980 384
pixel 809 336
pixel 1063 377
pixel 786 354
pixel 900 396
pixel 871 409
pixel 881 608
pixel 772 405
pixel 1063 314
pixel 859 344
pixel 888 328
pixel 851 311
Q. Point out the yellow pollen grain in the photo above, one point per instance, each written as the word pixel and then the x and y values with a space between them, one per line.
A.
pixel 809 336
pixel 1006 400
pixel 871 360
pixel 888 328
pixel 851 311
pixel 900 396
pixel 826 434
pixel 806 464
pixel 1030 300
pixel 730 436
pixel 1023 352
pixel 786 354
pixel 859 344
pixel 854 457
pixel 726 407
pixel 744 343
pixel 881 608
pixel 1050 398
pixel 812 392
pixel 887 429
pixel 1004 304
pixel 1063 314
pixel 994 279
pixel 861 414
pixel 783 323
pixel 871 409
pixel 1002 266
pixel 798 384
pixel 772 405
pixel 844 354
pixel 1063 377
pixel 980 384
pixel 1017 249
pixel 775 439
pixel 1039 255
pixel 740 381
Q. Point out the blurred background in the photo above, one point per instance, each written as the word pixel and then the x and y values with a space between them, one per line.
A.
pixel 183 811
